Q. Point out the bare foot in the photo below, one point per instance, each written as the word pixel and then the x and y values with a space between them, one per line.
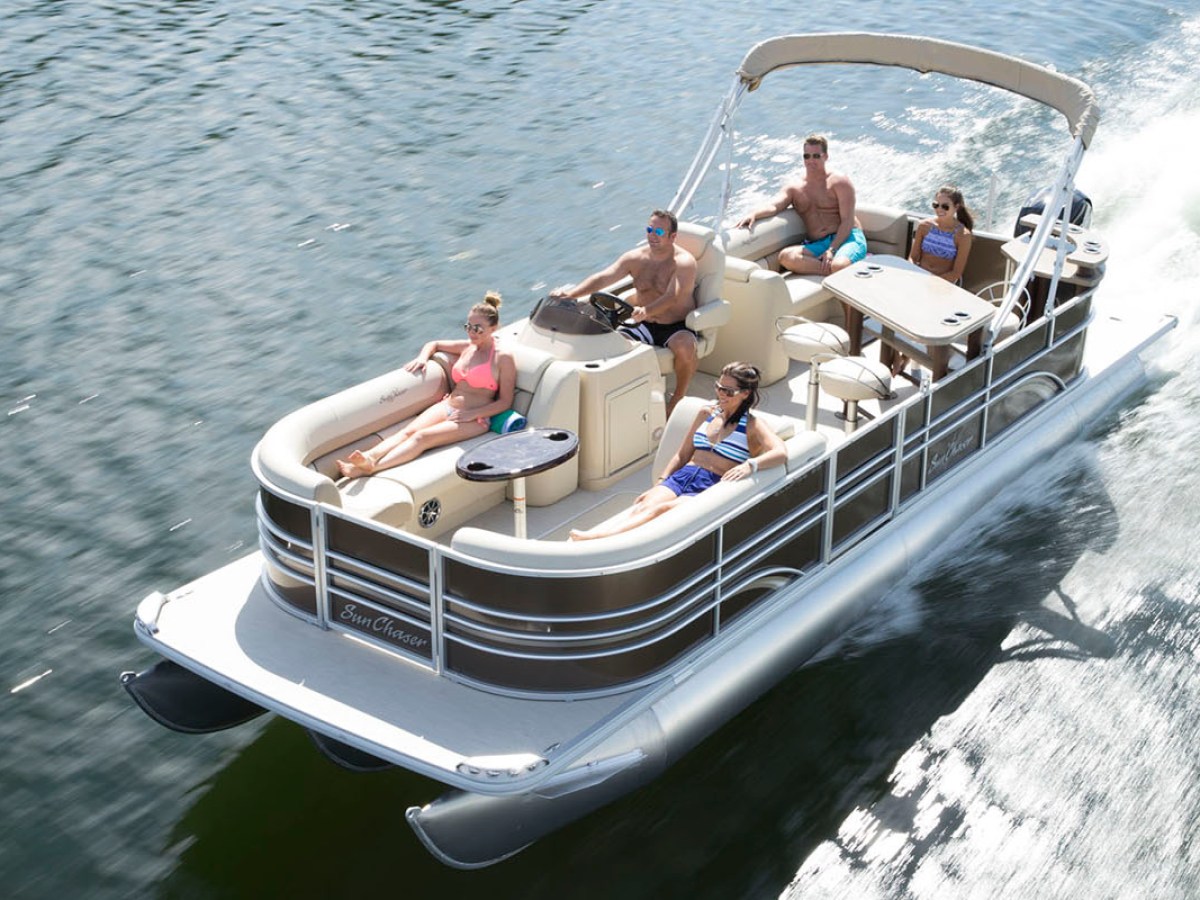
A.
pixel 356 465
pixel 577 535
pixel 898 364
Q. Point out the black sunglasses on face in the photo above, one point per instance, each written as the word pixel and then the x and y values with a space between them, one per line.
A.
pixel 944 207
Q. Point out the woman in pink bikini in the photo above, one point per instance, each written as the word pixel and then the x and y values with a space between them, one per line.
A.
pixel 485 378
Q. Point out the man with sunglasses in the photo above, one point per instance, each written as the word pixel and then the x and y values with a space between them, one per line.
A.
pixel 664 276
pixel 825 201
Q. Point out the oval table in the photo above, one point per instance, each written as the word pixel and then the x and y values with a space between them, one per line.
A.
pixel 514 456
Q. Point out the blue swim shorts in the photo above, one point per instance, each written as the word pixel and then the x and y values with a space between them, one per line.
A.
pixel 691 480
pixel 854 248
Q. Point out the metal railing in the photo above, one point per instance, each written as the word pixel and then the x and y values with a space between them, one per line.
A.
pixel 422 620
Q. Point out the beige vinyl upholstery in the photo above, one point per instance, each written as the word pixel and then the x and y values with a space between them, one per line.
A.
pixel 298 453
pixel 760 292
pixel 679 526
pixel 712 311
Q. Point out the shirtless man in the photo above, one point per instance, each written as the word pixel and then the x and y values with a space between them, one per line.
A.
pixel 825 200
pixel 664 276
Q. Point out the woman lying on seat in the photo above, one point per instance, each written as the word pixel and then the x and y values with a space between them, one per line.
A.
pixel 485 378
pixel 726 443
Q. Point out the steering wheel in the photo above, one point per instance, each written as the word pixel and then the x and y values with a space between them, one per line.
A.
pixel 611 307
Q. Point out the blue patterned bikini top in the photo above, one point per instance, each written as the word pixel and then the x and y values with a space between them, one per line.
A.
pixel 734 447
pixel 940 243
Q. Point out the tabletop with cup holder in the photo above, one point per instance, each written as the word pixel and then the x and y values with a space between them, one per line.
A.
pixel 919 314
pixel 1083 262
pixel 515 455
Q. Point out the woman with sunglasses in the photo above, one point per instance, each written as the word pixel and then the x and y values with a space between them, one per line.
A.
pixel 726 443
pixel 484 379
pixel 942 243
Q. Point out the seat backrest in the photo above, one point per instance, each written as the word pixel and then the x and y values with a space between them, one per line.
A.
pixel 710 260
pixel 886 228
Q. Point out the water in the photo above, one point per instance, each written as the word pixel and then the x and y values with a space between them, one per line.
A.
pixel 214 213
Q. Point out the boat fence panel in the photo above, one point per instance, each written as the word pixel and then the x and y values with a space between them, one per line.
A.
pixel 292 518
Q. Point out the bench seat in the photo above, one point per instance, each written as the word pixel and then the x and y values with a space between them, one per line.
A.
pixel 426 496
pixel 684 524
pixel 760 291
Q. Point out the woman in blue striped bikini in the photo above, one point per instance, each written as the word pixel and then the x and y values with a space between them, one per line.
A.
pixel 726 443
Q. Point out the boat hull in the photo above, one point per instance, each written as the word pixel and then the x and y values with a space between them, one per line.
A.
pixel 598 749
pixel 469 830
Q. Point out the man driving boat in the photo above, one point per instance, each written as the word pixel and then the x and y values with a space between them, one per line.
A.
pixel 664 276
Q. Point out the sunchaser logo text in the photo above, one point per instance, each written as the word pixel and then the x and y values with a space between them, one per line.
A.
pixel 384 626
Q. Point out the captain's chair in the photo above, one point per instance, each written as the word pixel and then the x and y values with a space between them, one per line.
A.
pixel 711 310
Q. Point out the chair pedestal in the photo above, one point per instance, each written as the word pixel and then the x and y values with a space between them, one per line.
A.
pixel 850 379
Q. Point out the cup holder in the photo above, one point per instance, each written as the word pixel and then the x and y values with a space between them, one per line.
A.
pixel 478 467
pixel 557 436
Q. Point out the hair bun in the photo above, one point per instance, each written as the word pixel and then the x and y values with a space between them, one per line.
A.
pixel 492 299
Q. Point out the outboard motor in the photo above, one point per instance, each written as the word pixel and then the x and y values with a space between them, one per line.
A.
pixel 1081 209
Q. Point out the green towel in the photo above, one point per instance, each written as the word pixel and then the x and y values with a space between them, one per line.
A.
pixel 509 420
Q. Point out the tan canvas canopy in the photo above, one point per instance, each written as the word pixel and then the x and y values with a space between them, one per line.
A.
pixel 1068 95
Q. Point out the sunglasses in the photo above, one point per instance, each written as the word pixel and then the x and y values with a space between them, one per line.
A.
pixel 944 207
pixel 813 155
pixel 473 329
pixel 727 391
pixel 659 232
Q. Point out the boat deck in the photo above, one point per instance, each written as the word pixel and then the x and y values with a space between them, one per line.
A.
pixel 786 397
pixel 350 689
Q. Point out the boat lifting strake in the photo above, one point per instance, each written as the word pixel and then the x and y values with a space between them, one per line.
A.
pixel 409 619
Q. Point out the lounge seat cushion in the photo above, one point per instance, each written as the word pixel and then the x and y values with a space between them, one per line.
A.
pixel 298 454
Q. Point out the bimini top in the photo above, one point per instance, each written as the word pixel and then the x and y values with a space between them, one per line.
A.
pixel 1068 95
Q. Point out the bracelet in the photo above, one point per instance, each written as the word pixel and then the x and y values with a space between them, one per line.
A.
pixel 753 464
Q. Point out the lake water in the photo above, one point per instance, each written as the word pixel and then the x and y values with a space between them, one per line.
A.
pixel 214 212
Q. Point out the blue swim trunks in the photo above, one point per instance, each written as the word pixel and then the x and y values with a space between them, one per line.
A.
pixel 854 248
pixel 691 480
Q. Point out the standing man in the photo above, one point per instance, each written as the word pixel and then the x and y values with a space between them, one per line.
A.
pixel 664 277
pixel 825 201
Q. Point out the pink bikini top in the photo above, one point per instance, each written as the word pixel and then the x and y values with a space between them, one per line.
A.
pixel 479 375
